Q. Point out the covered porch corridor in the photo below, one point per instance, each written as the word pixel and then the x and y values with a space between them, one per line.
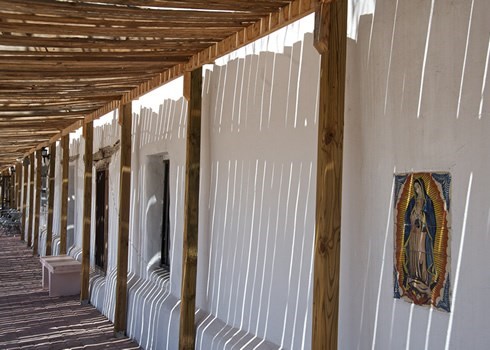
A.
pixel 30 319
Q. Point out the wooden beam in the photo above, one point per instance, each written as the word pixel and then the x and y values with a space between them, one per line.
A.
pixel 87 211
pixel 139 10
pixel 37 204
pixel 120 316
pixel 191 214
pixel 329 180
pixel 31 200
pixel 49 229
pixel 24 200
pixel 271 22
pixel 322 27
pixel 290 12
pixel 65 145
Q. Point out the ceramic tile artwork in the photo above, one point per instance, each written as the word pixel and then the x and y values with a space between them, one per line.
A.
pixel 422 233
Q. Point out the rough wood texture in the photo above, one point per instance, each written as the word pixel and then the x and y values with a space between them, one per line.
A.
pixel 31 200
pixel 191 214
pixel 120 316
pixel 51 189
pixel 12 190
pixel 24 200
pixel 65 145
pixel 66 63
pixel 87 211
pixel 37 205
pixel 322 27
pixel 2 194
pixel 102 158
pixel 18 192
pixel 5 186
pixel 187 86
pixel 329 182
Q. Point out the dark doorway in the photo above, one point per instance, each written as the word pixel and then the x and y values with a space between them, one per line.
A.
pixel 165 262
pixel 101 215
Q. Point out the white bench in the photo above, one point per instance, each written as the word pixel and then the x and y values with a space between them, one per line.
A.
pixel 61 275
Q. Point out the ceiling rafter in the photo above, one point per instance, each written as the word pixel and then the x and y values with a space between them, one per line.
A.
pixel 64 63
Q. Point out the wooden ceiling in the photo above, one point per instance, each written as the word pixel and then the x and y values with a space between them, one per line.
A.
pixel 66 62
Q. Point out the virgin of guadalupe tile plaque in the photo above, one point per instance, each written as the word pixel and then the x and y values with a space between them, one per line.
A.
pixel 421 238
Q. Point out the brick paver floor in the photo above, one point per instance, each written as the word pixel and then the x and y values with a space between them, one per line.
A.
pixel 30 319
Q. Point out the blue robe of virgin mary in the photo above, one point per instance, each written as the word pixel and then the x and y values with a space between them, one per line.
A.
pixel 430 229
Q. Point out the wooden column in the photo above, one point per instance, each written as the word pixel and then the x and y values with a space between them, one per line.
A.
pixel 12 190
pixel 191 213
pixel 331 27
pixel 24 200
pixel 4 191
pixel 120 316
pixel 65 145
pixel 52 168
pixel 2 194
pixel 7 178
pixel 18 192
pixel 87 210
pixel 37 204
pixel 31 201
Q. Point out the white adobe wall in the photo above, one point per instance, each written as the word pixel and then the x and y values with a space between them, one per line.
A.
pixel 153 295
pixel 261 206
pixel 250 226
pixel 257 207
pixel 418 99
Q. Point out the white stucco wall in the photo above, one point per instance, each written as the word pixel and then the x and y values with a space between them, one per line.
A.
pixel 256 207
pixel 263 137
pixel 416 101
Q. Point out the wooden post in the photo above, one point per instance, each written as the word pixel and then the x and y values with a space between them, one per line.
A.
pixel 191 214
pixel 37 204
pixel 87 211
pixel 24 200
pixel 187 85
pixel 65 144
pixel 2 195
pixel 120 316
pixel 6 177
pixel 31 200
pixel 3 189
pixel 12 190
pixel 18 177
pixel 49 229
pixel 329 174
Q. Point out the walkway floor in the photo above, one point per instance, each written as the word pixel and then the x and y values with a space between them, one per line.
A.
pixel 30 319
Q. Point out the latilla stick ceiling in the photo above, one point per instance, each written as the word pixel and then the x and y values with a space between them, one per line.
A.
pixel 64 63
